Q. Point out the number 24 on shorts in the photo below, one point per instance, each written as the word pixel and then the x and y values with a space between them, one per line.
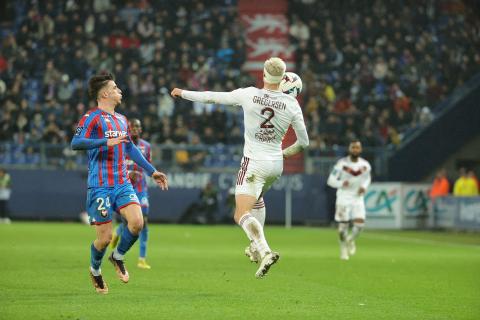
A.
pixel 103 205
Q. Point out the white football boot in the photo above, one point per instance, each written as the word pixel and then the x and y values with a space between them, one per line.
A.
pixel 343 251
pixel 268 260
pixel 352 248
pixel 252 253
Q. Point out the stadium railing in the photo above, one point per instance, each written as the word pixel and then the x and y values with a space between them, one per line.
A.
pixel 209 158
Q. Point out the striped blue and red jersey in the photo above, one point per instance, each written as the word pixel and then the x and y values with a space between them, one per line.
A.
pixel 140 184
pixel 107 166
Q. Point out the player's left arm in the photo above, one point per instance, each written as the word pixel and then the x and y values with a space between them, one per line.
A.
pixel 228 98
pixel 367 179
pixel 302 142
pixel 82 140
pixel 136 155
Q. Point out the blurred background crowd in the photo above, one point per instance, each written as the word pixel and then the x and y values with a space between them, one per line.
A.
pixel 375 69
pixel 371 69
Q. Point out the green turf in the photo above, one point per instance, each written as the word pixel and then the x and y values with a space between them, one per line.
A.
pixel 201 273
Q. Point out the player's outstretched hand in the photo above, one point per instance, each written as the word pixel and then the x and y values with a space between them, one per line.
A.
pixel 176 92
pixel 114 141
pixel 161 179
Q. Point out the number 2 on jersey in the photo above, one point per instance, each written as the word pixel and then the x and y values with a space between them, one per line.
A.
pixel 267 124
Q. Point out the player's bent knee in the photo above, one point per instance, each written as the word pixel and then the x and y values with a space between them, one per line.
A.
pixel 239 214
pixel 136 227
pixel 342 226
pixel 105 240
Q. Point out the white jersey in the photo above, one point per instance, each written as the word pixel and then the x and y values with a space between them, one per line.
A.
pixel 267 115
pixel 356 173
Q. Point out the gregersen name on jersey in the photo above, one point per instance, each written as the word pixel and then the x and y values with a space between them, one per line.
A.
pixel 265 101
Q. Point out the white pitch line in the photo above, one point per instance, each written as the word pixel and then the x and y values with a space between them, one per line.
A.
pixel 418 241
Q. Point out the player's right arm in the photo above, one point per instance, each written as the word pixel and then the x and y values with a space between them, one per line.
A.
pixel 227 98
pixel 82 141
pixel 335 179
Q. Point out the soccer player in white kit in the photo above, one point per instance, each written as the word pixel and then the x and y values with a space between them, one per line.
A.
pixel 351 177
pixel 268 113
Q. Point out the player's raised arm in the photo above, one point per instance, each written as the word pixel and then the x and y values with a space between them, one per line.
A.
pixel 302 142
pixel 82 140
pixel 227 98
pixel 136 155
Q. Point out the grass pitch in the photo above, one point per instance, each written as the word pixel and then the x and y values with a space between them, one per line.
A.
pixel 201 273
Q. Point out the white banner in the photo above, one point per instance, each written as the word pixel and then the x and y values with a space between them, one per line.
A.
pixel 397 205
pixel 383 200
pixel 415 199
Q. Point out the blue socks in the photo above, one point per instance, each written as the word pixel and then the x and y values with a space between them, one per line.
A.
pixel 126 242
pixel 143 238
pixel 119 230
pixel 96 257
pixel 143 241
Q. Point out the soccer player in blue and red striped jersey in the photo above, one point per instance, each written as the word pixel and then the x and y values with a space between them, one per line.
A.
pixel 104 134
pixel 139 182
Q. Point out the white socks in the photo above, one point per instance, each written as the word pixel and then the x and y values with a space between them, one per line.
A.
pixel 343 231
pixel 356 229
pixel 117 255
pixel 254 231
pixel 96 273
pixel 258 211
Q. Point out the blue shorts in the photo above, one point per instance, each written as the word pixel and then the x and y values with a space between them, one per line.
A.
pixel 103 201
pixel 143 197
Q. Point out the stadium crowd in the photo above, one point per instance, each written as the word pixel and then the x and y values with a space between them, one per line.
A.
pixel 149 47
pixel 374 69
pixel 370 71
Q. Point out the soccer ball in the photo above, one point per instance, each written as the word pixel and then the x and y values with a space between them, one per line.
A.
pixel 291 84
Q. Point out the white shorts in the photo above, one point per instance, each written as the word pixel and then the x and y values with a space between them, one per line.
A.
pixel 255 177
pixel 351 211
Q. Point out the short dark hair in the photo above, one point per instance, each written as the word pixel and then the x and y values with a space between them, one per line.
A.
pixel 132 120
pixel 96 83
pixel 355 141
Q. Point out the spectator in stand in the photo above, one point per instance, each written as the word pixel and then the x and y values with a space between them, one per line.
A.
pixel 472 175
pixel 400 57
pixel 390 65
pixel 137 42
pixel 5 191
pixel 440 186
pixel 465 186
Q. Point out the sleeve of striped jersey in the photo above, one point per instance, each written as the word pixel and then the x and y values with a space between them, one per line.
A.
pixel 334 179
pixel 136 155
pixel 228 98
pixel 81 140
